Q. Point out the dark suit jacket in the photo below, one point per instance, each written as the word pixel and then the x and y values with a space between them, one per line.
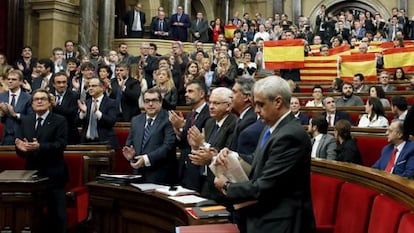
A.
pixel 279 182
pixel 221 139
pixel 248 119
pixel 248 140
pixel 303 118
pixel 348 152
pixel 160 148
pixel 339 115
pixel 52 137
pixel 327 147
pixel 105 125
pixel 188 173
pixel 11 124
pixel 404 166
pixel 202 28
pixel 180 32
pixel 128 99
pixel 129 20
pixel 37 83
pixel 170 99
pixel 151 64
pixel 155 26
pixel 69 109
pixel 409 122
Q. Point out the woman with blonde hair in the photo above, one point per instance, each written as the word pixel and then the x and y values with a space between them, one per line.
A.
pixel 165 84
pixel 4 66
pixel 225 73
pixel 136 73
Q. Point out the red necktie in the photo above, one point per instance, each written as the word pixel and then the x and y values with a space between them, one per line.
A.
pixel 329 119
pixel 390 163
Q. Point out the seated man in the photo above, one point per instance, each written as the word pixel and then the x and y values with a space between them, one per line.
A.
pixel 398 156
pixel 348 98
pixel 295 108
pixel 323 144
pixel 317 93
pixel 384 81
pixel 331 115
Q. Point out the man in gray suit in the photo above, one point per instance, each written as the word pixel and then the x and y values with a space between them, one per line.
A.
pixel 199 29
pixel 14 104
pixel 150 146
pixel 323 144
pixel 276 198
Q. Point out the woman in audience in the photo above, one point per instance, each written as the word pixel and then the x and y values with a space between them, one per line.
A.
pixel 3 83
pixel 4 66
pixel 347 149
pixel 165 84
pixel 295 108
pixel 374 116
pixel 105 73
pixel 192 71
pixel 136 72
pixel 247 69
pixel 399 75
pixel 224 74
pixel 378 92
pixel 217 29
pixel 206 72
pixel 237 56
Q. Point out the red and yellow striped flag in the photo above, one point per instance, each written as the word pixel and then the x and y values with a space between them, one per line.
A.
pixel 283 54
pixel 358 63
pixel 229 31
pixel 318 68
pixel 399 57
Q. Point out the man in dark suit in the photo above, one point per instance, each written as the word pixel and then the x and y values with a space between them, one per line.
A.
pixel 126 91
pixel 398 156
pixel 199 29
pixel 276 198
pixel 323 144
pixel 147 62
pixel 98 116
pixel 45 81
pixel 242 106
pixel 150 146
pixel 66 105
pixel 195 95
pixel 14 104
pixel 134 21
pixel 41 140
pixel 26 63
pixel 331 115
pixel 180 22
pixel 218 133
pixel 160 27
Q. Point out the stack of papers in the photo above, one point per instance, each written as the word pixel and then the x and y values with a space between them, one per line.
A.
pixel 175 191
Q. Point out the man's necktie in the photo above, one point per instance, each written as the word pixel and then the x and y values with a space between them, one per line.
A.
pixel 193 117
pixel 13 100
pixel 329 119
pixel 93 121
pixel 38 125
pixel 213 135
pixel 178 18
pixel 147 132
pixel 390 163
pixel 58 99
pixel 161 26
pixel 265 138
pixel 198 22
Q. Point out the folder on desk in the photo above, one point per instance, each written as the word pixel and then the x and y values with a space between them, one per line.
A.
pixel 17 175
pixel 216 228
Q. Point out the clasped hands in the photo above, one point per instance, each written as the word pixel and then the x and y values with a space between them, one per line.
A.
pixel 25 146
pixel 136 161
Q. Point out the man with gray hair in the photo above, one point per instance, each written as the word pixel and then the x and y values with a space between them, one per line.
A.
pixel 217 134
pixel 279 182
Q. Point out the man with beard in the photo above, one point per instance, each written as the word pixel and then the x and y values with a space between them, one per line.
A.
pixel 189 174
pixel 348 98
pixel 124 56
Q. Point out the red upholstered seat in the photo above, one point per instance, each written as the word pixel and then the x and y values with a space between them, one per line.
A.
pixel 121 165
pixel 385 215
pixel 406 223
pixel 11 162
pixel 354 208
pixel 325 192
pixel 370 148
pixel 77 193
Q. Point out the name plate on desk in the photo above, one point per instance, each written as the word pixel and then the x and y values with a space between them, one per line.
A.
pixel 20 176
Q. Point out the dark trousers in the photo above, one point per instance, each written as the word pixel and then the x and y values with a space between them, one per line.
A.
pixel 56 220
pixel 136 34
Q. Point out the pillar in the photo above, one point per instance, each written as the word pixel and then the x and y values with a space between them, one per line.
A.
pixel 106 25
pixel 88 26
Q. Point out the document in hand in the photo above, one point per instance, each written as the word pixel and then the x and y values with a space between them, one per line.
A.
pixel 175 191
pixel 234 172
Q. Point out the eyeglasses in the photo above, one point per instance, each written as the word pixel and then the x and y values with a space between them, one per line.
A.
pixel 151 101
pixel 40 98
pixel 217 103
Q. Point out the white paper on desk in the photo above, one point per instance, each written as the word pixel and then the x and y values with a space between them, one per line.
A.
pixel 234 172
pixel 178 191
pixel 147 187
pixel 188 199
pixel 127 177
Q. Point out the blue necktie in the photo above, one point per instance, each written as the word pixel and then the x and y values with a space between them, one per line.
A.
pixel 265 138
pixel 147 131
pixel 13 100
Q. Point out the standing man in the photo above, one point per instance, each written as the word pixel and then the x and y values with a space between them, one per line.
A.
pixel 26 63
pixel 70 50
pixel 45 81
pixel 134 22
pixel 277 196
pixel 323 144
pixel 150 146
pixel 98 115
pixel 195 96
pixel 160 27
pixel 147 62
pixel 66 105
pixel 14 104
pixel 199 29
pixel 126 91
pixel 398 156
pixel 180 22
pixel 41 140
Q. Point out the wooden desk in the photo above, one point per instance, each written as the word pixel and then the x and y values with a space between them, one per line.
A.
pixel 21 206
pixel 124 209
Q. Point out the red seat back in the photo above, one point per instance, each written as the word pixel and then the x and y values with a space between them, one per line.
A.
pixel 385 223
pixel 121 165
pixel 406 223
pixel 74 163
pixel 370 148
pixel 354 208
pixel 11 162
